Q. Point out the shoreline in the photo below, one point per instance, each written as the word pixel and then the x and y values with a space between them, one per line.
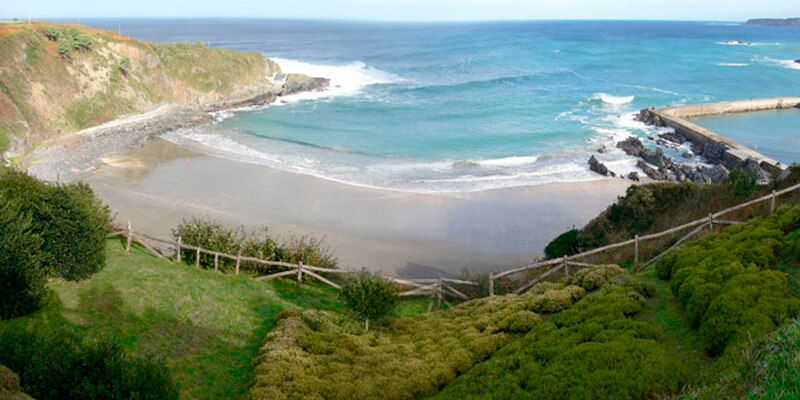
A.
pixel 408 234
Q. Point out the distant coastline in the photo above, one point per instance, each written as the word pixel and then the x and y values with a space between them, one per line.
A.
pixel 793 22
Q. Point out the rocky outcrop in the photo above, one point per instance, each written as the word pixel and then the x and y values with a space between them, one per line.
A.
pixel 296 83
pixel 660 167
pixel 599 167
pixel 795 22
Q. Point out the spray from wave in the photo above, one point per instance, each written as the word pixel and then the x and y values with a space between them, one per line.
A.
pixel 346 80
pixel 613 100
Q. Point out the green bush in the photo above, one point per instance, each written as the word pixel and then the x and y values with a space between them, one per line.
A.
pixel 65 48
pixel 70 220
pixel 727 283
pixel 52 33
pixel 125 66
pixel 743 184
pixel 553 300
pixel 592 278
pixel 368 295
pixel 594 350
pixel 22 281
pixel 9 385
pixel 213 235
pixel 60 366
pixel 565 244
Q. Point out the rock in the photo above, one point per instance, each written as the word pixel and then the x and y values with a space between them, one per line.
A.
pixel 599 167
pixel 657 158
pixel 634 176
pixel 751 166
pixel 296 83
pixel 686 154
pixel 657 174
pixel 714 152
pixel 649 117
pixel 602 150
pixel 717 173
pixel 632 146
pixel 673 137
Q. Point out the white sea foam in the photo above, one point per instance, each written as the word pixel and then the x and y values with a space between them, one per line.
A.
pixel 346 80
pixel 790 64
pixel 725 64
pixel 509 161
pixel 613 100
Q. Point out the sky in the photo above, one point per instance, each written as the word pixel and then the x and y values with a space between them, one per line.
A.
pixel 409 10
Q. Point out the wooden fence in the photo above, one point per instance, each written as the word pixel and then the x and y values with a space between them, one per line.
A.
pixel 437 288
pixel 697 227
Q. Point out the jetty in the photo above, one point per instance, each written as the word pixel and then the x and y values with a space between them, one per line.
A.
pixel 716 147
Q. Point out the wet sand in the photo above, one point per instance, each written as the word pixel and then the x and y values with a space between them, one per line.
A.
pixel 407 234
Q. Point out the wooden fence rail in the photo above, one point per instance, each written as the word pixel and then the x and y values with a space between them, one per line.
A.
pixel 700 224
pixel 437 288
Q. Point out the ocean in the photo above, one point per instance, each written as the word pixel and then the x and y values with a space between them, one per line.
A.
pixel 460 107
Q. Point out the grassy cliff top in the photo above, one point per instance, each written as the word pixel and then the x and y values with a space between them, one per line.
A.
pixel 60 78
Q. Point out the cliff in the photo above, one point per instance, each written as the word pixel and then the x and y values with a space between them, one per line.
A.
pixel 775 22
pixel 61 78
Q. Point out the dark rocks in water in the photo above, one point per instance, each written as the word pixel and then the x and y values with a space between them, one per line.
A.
pixel 602 150
pixel 634 176
pixel 686 154
pixel 657 158
pixel 649 117
pixel 599 167
pixel 657 174
pixel 296 83
pixel 632 146
pixel 673 137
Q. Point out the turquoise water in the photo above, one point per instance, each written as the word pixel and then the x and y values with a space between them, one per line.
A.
pixel 470 106
pixel 776 134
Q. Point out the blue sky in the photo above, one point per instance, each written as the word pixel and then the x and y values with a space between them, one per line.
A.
pixel 414 10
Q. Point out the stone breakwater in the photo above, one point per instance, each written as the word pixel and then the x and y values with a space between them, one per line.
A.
pixel 723 153
pixel 70 157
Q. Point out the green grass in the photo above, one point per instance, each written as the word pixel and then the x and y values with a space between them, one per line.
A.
pixel 5 141
pixel 207 325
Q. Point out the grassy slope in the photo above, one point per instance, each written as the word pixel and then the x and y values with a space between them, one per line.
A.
pixel 207 325
pixel 42 94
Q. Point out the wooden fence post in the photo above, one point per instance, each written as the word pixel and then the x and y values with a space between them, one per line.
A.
pixel 636 254
pixel 180 243
pixel 566 267
pixel 710 223
pixel 300 274
pixel 216 262
pixel 197 259
pixel 130 237
pixel 439 291
pixel 491 284
pixel 238 261
pixel 772 203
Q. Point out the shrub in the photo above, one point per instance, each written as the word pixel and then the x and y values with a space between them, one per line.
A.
pixel 593 350
pixel 368 295
pixel 726 281
pixel 125 66
pixel 520 322
pixel 309 249
pixel 555 300
pixel 71 221
pixel 82 42
pixel 743 184
pixel 213 235
pixel 565 244
pixel 9 385
pixel 60 366
pixel 592 278
pixel 22 282
pixel 65 48
pixel 52 33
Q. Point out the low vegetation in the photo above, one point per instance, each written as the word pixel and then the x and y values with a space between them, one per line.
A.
pixel 9 385
pixel 316 354
pixel 729 283
pixel 593 350
pixel 47 230
pixel 213 235
pixel 659 206
pixel 61 366
pixel 368 296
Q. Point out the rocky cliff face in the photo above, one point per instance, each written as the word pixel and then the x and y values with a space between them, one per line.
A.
pixel 61 78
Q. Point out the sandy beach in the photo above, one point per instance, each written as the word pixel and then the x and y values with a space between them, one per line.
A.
pixel 159 184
